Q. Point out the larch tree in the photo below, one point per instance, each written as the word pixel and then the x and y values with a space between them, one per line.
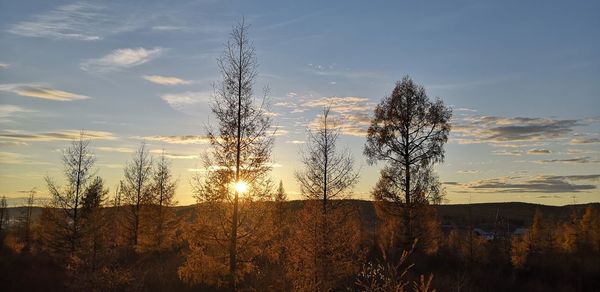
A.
pixel 408 133
pixel 78 163
pixel 136 191
pixel 325 239
pixel 3 213
pixel 236 182
pixel 163 192
pixel 94 222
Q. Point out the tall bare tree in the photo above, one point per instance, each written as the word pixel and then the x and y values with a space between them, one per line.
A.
pixel 328 177
pixel 136 190
pixel 237 162
pixel 78 163
pixel 408 132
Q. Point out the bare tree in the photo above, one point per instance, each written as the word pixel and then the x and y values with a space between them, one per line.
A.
pixel 328 176
pixel 237 162
pixel 78 163
pixel 136 190
pixel 408 132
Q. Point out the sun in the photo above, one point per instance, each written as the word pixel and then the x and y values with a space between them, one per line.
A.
pixel 241 187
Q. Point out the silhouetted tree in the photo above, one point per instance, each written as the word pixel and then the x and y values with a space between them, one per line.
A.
pixel 94 221
pixel 163 192
pixel 78 163
pixel 239 156
pixel 326 239
pixel 27 221
pixel 3 213
pixel 408 132
pixel 136 190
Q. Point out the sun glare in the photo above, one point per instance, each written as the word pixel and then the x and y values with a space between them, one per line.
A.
pixel 241 187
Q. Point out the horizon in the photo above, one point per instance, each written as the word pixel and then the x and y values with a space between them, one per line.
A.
pixel 521 79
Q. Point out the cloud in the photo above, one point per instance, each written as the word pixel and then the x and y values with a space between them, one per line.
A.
pixel 4 65
pixel 41 91
pixel 17 158
pixel 503 130
pixel 568 160
pixel 341 104
pixel 180 101
pixel 115 149
pixel 295 142
pixel 56 136
pixel 7 110
pixel 537 184
pixel 121 58
pixel 468 171
pixel 185 139
pixel 77 21
pixel 584 140
pixel 166 80
pixel 538 151
pixel 174 155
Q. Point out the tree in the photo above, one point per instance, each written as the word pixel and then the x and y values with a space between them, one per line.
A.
pixel 78 163
pixel 136 190
pixel 324 244
pixel 94 220
pixel 163 192
pixel 281 231
pixel 27 221
pixel 238 162
pixel 3 213
pixel 408 132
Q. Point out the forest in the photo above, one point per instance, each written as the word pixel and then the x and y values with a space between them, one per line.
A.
pixel 244 234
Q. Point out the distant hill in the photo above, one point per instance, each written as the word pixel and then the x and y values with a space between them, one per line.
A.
pixel 482 214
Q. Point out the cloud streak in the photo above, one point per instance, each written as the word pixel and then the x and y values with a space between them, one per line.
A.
pixel 173 139
pixel 166 80
pixel 537 184
pixel 78 21
pixel 41 91
pixel 501 130
pixel 56 136
pixel 121 59
pixel 180 101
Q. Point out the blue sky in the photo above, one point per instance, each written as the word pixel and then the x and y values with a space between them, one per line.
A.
pixel 522 77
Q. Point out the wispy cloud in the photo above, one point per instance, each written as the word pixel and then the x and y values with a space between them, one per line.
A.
pixel 504 130
pixel 7 110
pixel 115 149
pixel 4 65
pixel 42 91
pixel 295 142
pixel 166 80
pixel 173 139
pixel 172 155
pixel 538 151
pixel 56 136
pixel 77 21
pixel 584 140
pixel 180 101
pixel 17 158
pixel 569 160
pixel 121 59
pixel 536 184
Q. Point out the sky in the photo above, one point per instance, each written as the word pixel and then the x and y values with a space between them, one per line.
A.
pixel 522 78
